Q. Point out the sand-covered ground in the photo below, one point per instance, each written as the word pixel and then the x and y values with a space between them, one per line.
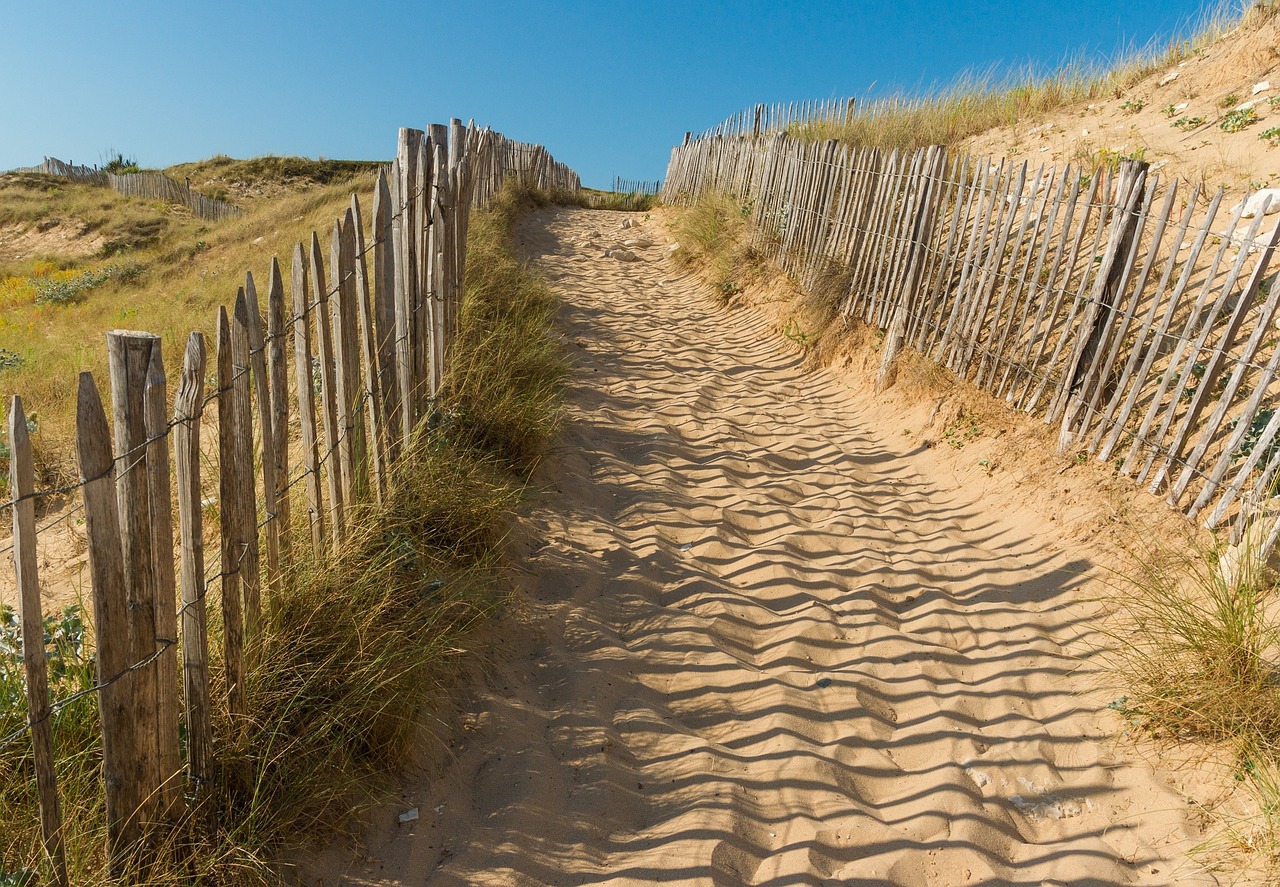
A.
pixel 771 639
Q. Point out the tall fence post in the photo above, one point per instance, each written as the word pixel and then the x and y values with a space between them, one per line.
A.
pixel 160 497
pixel 119 685
pixel 129 360
pixel 187 409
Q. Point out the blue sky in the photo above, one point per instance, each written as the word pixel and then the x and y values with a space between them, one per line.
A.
pixel 607 87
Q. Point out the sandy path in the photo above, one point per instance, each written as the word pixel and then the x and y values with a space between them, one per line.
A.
pixel 773 651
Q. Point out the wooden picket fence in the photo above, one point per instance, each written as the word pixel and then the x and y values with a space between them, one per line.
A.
pixel 372 332
pixel 1138 316
pixel 648 187
pixel 149 185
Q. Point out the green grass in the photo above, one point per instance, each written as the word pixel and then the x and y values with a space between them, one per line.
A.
pixel 977 102
pixel 1195 647
pixel 358 644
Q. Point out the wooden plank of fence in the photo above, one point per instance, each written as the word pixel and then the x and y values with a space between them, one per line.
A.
pixel 352 284
pixel 278 369
pixel 384 274
pixel 246 498
pixel 328 396
pixel 160 496
pixel 273 529
pixel 346 405
pixel 403 302
pixel 22 488
pixel 302 373
pixel 128 359
pixel 118 685
pixel 230 515
pixel 372 382
pixel 187 409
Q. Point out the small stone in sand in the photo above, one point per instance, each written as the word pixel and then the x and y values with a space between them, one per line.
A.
pixel 409 815
pixel 1261 87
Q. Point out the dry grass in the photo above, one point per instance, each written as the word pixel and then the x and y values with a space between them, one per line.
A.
pixel 976 102
pixel 183 269
pixel 357 643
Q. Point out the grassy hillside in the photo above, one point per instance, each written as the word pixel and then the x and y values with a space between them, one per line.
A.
pixel 77 260
pixel 1100 112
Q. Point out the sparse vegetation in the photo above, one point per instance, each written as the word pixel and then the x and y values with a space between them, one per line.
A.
pixel 1186 124
pixel 1271 136
pixel 975 103
pixel 1236 120
pixel 1229 101
pixel 1133 105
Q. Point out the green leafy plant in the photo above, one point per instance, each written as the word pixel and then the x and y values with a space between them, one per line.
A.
pixel 1133 105
pixel 56 291
pixel 793 332
pixel 1169 110
pixel 1186 124
pixel 960 432
pixel 1236 120
pixel 1271 136
pixel 1229 101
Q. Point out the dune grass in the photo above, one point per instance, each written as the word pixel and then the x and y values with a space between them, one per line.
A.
pixel 978 101
pixel 357 643
pixel 179 270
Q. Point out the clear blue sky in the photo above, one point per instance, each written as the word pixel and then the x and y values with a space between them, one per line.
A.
pixel 607 87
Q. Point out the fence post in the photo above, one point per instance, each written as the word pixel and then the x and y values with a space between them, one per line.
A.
pixel 22 489
pixel 277 366
pixel 1106 291
pixel 376 438
pixel 119 685
pixel 384 274
pixel 155 415
pixel 245 493
pixel 303 379
pixel 187 409
pixel 328 400
pixel 229 514
pixel 129 358
pixel 266 426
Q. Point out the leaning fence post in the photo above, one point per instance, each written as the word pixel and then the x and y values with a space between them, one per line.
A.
pixel 106 572
pixel 229 514
pixel 22 488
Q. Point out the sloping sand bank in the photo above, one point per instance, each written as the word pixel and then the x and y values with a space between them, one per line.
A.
pixel 769 649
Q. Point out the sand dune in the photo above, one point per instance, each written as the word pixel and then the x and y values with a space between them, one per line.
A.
pixel 768 649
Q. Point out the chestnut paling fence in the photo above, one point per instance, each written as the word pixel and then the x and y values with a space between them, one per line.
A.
pixel 149 185
pixel 1140 317
pixel 370 335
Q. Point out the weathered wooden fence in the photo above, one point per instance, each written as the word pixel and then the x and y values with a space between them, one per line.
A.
pixel 633 186
pixel 149 185
pixel 1139 316
pixel 369 335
